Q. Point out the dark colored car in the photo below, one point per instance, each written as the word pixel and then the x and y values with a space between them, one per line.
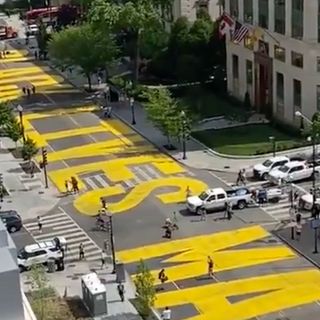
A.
pixel 11 220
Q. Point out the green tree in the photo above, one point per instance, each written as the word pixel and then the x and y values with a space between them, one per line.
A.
pixel 144 282
pixel 43 38
pixel 41 291
pixel 29 150
pixel 5 114
pixel 85 47
pixel 164 112
pixel 135 18
pixel 13 130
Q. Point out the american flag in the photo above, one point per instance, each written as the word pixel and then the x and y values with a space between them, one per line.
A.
pixel 240 32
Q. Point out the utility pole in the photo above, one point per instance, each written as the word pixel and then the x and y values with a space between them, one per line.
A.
pixel 113 251
pixel 45 163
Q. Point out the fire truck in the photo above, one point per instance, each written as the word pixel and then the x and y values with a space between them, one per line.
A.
pixel 7 32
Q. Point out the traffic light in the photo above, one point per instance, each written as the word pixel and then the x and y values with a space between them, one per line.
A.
pixel 44 157
pixel 1 179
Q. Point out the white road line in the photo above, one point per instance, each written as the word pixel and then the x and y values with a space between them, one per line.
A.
pixel 143 174
pixel 73 230
pixel 152 172
pixel 129 183
pixel 90 183
pixel 61 227
pixel 103 182
pixel 47 223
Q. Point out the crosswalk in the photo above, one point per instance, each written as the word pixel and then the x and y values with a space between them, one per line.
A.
pixel 278 211
pixel 142 173
pixel 61 224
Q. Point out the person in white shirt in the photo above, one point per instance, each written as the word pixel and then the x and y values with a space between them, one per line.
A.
pixel 166 314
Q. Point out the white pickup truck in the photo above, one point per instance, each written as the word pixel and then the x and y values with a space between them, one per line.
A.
pixel 290 172
pixel 261 170
pixel 215 199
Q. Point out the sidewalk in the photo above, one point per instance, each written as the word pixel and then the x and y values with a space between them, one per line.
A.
pixel 27 195
pixel 67 284
pixel 199 156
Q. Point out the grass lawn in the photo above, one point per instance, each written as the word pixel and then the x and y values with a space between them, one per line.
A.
pixel 247 140
pixel 207 105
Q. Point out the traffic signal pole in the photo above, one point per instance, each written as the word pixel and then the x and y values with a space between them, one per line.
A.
pixel 45 163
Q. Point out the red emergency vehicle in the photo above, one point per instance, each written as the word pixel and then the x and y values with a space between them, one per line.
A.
pixel 45 14
pixel 6 31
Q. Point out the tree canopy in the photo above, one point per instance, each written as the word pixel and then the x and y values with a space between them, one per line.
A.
pixel 85 47
pixel 133 17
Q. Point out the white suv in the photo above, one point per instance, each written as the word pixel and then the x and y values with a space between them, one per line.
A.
pixel 41 252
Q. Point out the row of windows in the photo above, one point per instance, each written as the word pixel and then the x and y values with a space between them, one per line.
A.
pixel 297 13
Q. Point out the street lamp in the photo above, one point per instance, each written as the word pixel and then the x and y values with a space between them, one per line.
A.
pixel 315 217
pixel 20 110
pixel 133 121
pixel 109 214
pixel 183 127
pixel 272 139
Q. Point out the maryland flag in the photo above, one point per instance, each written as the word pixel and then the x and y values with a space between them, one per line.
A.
pixel 257 34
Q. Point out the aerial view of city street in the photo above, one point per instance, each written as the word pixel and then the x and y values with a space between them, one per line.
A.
pixel 159 160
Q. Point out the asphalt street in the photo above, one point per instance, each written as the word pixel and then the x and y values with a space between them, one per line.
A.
pixel 255 275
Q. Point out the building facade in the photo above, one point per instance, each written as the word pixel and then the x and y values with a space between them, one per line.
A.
pixel 189 8
pixel 13 303
pixel 278 64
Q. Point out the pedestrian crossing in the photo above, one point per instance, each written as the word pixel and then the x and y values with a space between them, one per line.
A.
pixel 61 224
pixel 142 173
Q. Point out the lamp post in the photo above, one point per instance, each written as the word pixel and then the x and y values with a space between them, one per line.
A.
pixel 315 217
pixel 183 127
pixel 272 139
pixel 109 214
pixel 133 121
pixel 20 110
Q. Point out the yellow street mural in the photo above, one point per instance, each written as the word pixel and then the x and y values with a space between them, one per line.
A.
pixel 188 259
pixel 126 151
pixel 13 79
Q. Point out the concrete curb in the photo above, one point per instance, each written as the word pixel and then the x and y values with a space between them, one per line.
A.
pixel 317 265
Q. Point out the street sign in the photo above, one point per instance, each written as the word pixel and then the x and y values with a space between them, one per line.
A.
pixel 315 223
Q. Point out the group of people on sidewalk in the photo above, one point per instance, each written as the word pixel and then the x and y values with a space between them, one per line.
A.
pixel 71 186
pixel 28 90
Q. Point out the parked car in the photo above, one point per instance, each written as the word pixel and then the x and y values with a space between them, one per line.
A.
pixel 41 253
pixel 12 220
pixel 32 29
pixel 261 170
pixel 215 199
pixel 291 172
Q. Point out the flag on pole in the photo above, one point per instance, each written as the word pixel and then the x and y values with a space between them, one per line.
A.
pixel 226 24
pixel 257 34
pixel 240 32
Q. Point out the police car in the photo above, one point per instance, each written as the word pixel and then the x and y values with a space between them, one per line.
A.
pixel 41 253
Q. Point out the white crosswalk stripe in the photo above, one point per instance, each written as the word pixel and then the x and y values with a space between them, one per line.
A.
pixel 61 224
pixel 142 173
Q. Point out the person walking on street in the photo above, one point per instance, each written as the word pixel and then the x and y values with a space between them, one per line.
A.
pixel 203 214
pixel 66 185
pixel 121 291
pixel 24 90
pixel 81 251
pixel 166 314
pixel 210 266
pixel 298 230
pixel 74 182
pixel 33 88
pixel 103 259
pixel 103 204
pixel 162 277
pixel 28 92
pixel 188 192
pixel 39 224
pixel 36 54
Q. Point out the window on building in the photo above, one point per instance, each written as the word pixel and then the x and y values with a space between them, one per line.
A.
pixel 264 13
pixel 297 93
pixel 280 16
pixel 280 53
pixel 297 19
pixel 234 8
pixel 318 64
pixel 280 87
pixel 318 20
pixel 296 59
pixel 202 6
pixel 249 72
pixel 248 11
pixel 235 66
pixel 318 97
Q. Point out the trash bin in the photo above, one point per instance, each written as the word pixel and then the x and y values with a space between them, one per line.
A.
pixel 51 265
